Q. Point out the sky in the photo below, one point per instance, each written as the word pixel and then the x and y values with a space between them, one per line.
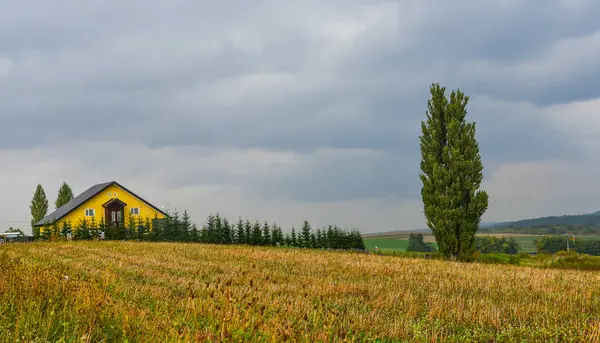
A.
pixel 292 110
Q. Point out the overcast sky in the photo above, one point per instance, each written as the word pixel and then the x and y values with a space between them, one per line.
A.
pixel 293 110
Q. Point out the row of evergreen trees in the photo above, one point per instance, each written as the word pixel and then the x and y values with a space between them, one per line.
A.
pixel 217 230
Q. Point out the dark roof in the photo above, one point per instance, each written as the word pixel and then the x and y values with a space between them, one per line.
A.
pixel 112 201
pixel 83 197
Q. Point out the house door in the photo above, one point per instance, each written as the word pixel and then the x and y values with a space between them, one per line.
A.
pixel 114 215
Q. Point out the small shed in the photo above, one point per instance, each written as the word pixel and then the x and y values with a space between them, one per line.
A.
pixel 9 236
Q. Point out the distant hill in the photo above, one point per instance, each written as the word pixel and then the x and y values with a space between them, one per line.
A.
pixel 589 219
pixel 577 219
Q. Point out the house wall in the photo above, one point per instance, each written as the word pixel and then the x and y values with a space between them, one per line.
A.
pixel 96 202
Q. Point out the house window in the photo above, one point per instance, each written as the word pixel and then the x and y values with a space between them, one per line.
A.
pixel 134 210
pixel 89 212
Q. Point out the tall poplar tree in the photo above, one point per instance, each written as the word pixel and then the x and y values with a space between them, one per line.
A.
pixel 65 194
pixel 38 208
pixel 451 174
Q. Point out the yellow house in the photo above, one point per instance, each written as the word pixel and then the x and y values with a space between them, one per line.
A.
pixel 109 201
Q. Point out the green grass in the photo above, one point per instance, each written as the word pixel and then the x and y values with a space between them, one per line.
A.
pixel 400 242
pixel 392 243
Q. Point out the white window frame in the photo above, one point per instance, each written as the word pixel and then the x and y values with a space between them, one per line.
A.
pixel 90 212
pixel 134 211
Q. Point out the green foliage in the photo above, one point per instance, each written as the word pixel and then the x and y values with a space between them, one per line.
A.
pixel 304 241
pixel 451 173
pixel 216 230
pixel 187 232
pixel 256 236
pixel 65 194
pixel 83 231
pixel 227 236
pixel 240 233
pixel 248 232
pixel 550 229
pixel 574 260
pixel 195 234
pixel 277 235
pixel 554 244
pixel 38 209
pixel 491 244
pixel 416 243
pixel 11 229
pixel 551 244
pixel 293 238
pixel 131 231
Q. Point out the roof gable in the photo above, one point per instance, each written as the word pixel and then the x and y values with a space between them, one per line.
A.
pixel 83 197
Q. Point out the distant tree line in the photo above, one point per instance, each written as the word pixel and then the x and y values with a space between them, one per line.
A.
pixel 491 244
pixel 178 227
pixel 483 244
pixel 591 219
pixel 554 244
pixel 549 229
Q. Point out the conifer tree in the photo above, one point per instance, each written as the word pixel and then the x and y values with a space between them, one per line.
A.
pixel 319 239
pixel 186 227
pixel 218 231
pixel 167 229
pixel 266 234
pixel 329 238
pixel 240 237
pixel 93 228
pixel 65 228
pixel 101 228
pixel 158 230
pixel 305 235
pixel 358 240
pixel 210 229
pixel 294 238
pixel 451 173
pixel 65 194
pixel 177 230
pixel 227 232
pixel 194 234
pixel 248 231
pixel 204 234
pixel 82 232
pixel 288 240
pixel 38 208
pixel 277 235
pixel 256 234
pixel 131 231
pixel 145 229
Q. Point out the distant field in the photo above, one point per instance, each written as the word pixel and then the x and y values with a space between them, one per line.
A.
pixel 399 242
pixel 174 292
